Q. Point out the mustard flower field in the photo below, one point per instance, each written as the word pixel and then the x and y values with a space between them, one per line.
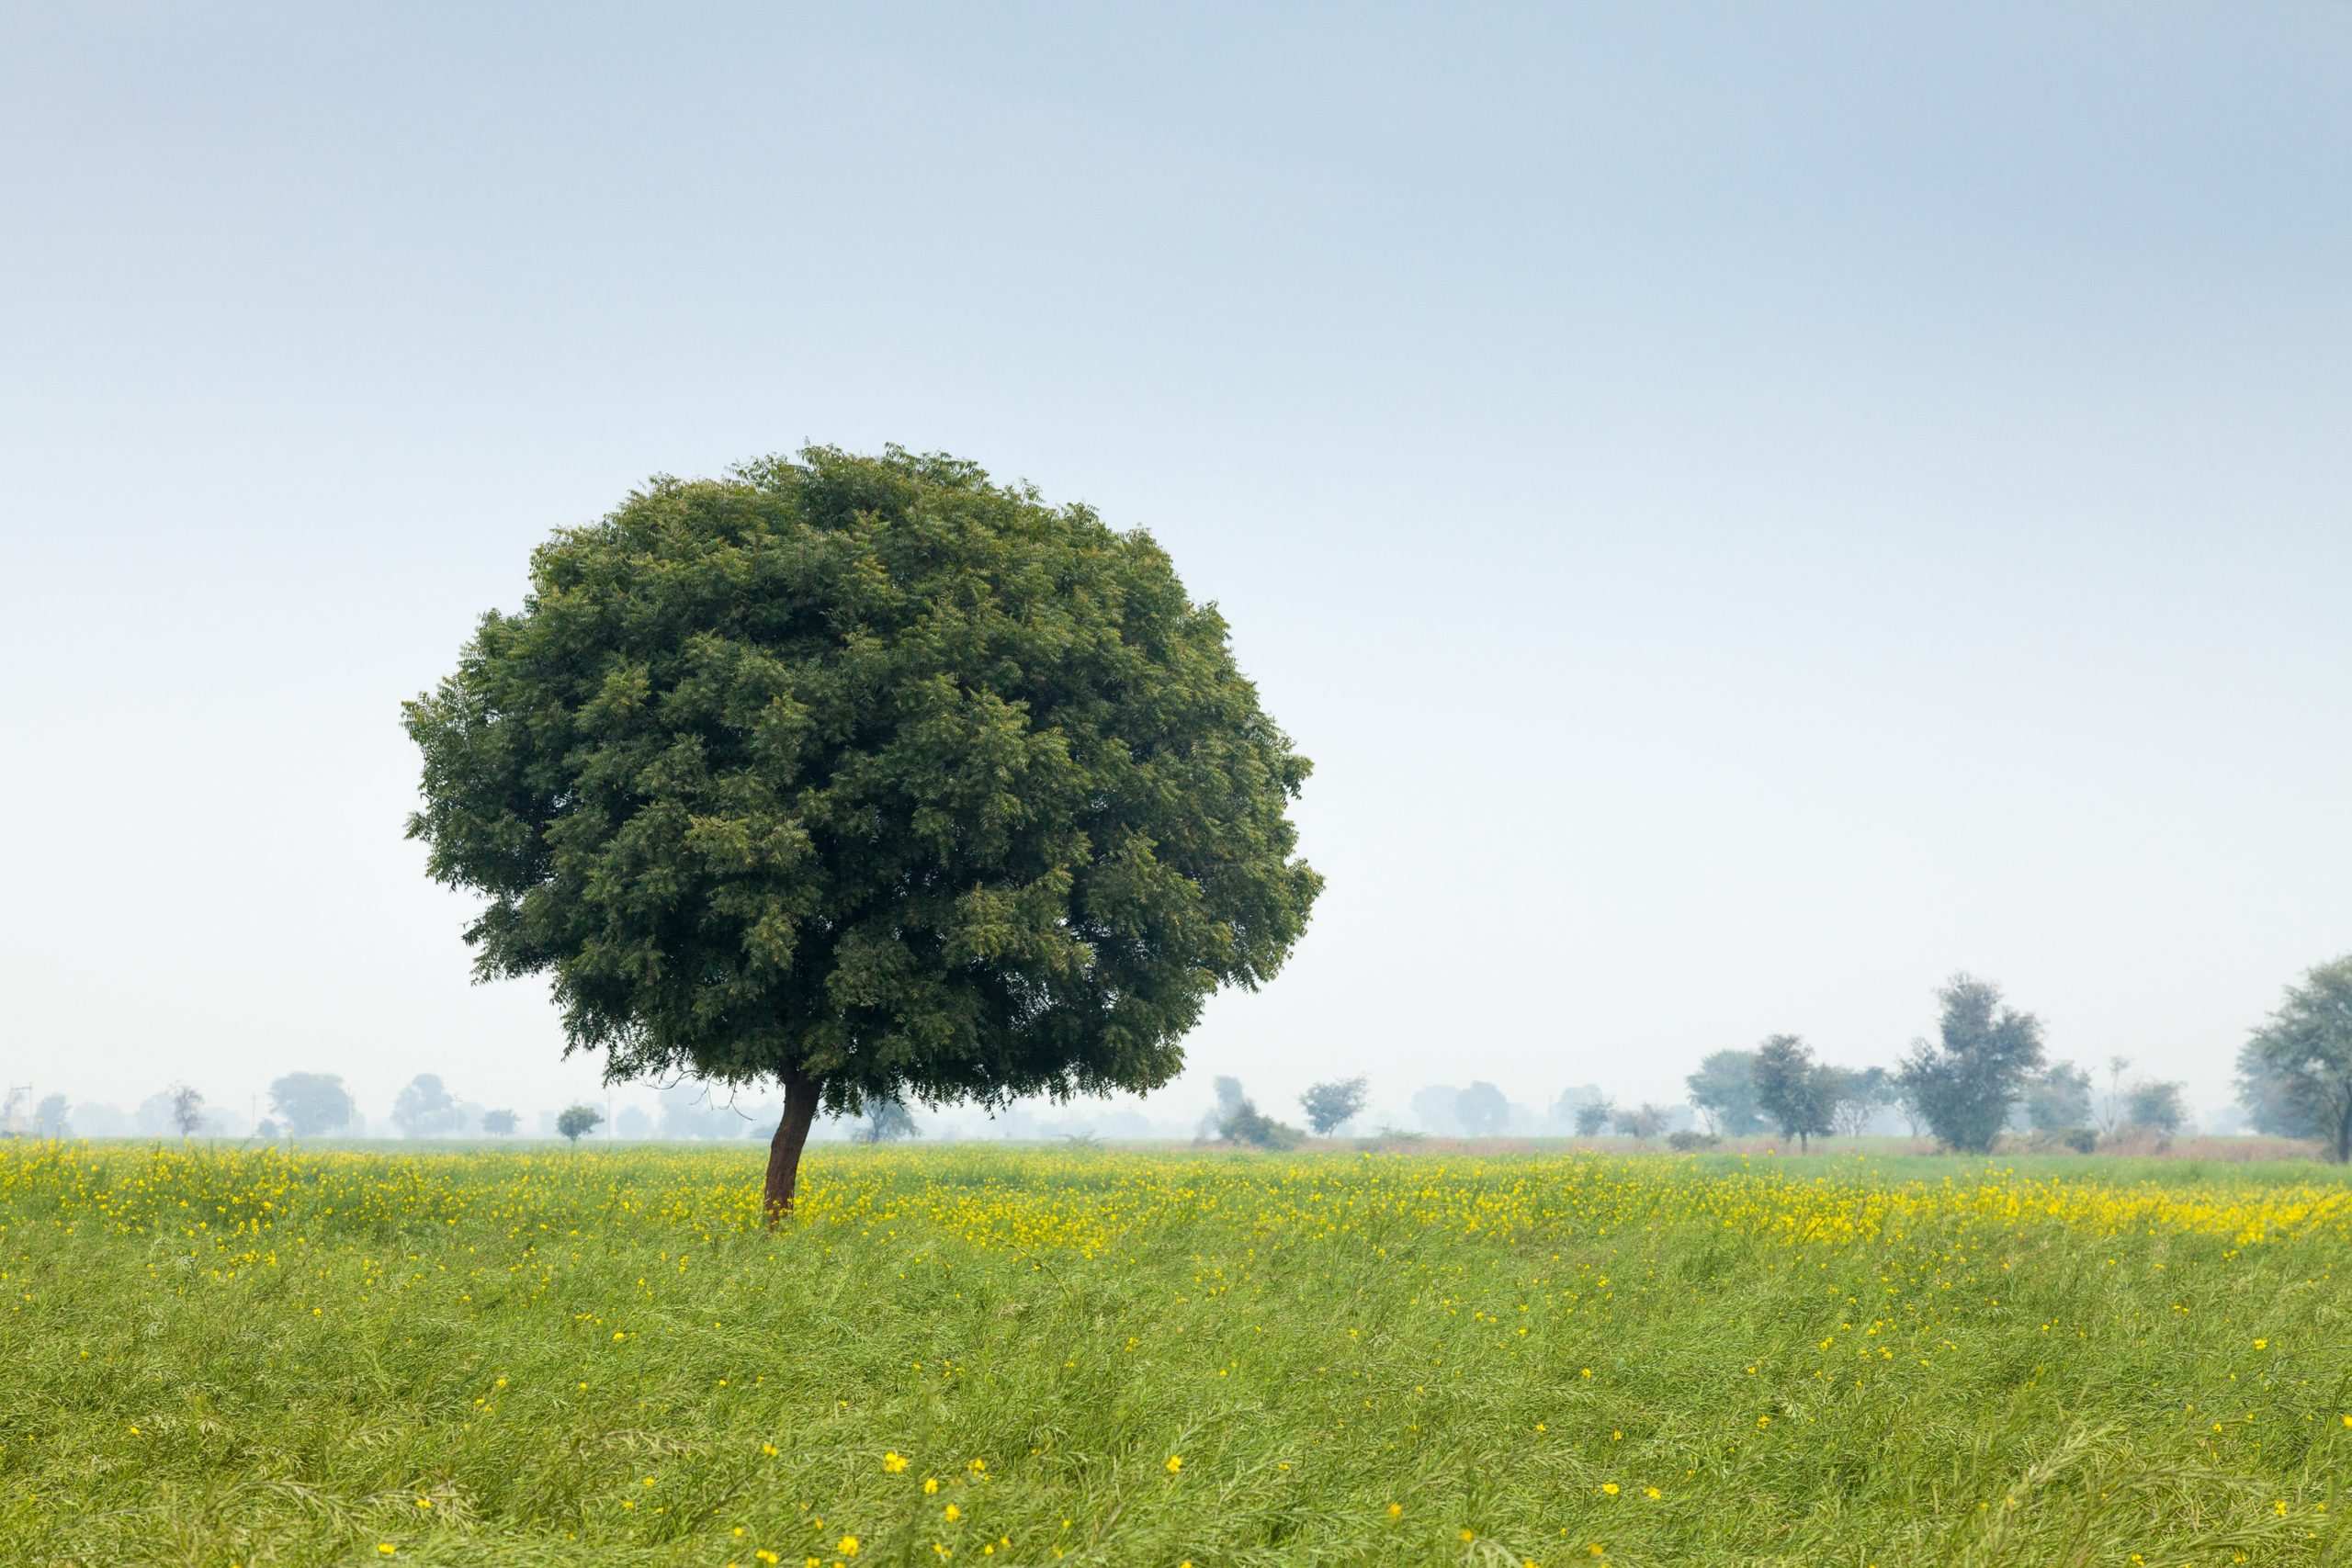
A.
pixel 1002 1355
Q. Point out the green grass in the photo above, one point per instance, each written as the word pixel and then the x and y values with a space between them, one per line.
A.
pixel 597 1357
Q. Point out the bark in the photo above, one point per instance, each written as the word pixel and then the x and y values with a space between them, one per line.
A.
pixel 784 1149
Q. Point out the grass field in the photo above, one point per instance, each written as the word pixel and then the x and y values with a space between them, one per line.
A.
pixel 1016 1357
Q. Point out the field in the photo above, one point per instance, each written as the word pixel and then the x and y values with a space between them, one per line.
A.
pixel 1011 1355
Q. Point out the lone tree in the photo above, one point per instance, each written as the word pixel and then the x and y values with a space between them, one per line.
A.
pixel 187 1109
pixel 870 777
pixel 1482 1111
pixel 311 1102
pixel 887 1122
pixel 425 1107
pixel 1724 1092
pixel 1593 1118
pixel 2295 1073
pixel 1329 1105
pixel 1962 1085
pixel 1641 1122
pixel 2059 1099
pixel 1795 1093
pixel 575 1120
pixel 498 1124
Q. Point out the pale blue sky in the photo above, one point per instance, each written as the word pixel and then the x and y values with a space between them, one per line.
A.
pixel 1750 508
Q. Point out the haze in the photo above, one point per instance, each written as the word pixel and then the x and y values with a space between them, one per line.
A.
pixel 1750 510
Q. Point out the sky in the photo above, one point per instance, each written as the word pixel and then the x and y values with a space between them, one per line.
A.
pixel 1750 510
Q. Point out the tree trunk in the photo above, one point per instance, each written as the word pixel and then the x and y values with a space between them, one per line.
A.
pixel 784 1149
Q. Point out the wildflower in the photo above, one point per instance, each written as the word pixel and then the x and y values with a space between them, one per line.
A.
pixel 387 1549
pixel 953 1513
pixel 1395 1509
pixel 1175 1463
pixel 1469 1535
pixel 1654 1493
pixel 424 1501
pixel 847 1546
pixel 930 1484
pixel 894 1462
pixel 1610 1487
pixel 768 1448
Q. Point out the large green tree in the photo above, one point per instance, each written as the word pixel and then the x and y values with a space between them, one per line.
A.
pixel 2295 1072
pixel 1794 1092
pixel 1986 1053
pixel 870 777
pixel 312 1102
pixel 1723 1090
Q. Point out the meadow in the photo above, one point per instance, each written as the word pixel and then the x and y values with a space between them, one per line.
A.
pixel 1026 1356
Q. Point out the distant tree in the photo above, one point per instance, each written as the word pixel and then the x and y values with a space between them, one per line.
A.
pixel 1329 1105
pixel 2157 1106
pixel 2111 1104
pixel 1593 1118
pixel 49 1117
pixel 1251 1127
pixel 887 1122
pixel 1796 1094
pixel 1724 1092
pixel 426 1109
pixel 576 1121
pixel 1964 1083
pixel 2295 1072
pixel 266 1130
pixel 633 1123
pixel 870 777
pixel 2058 1099
pixel 1229 1094
pixel 1642 1122
pixel 1482 1111
pixel 313 1104
pixel 1433 1108
pixel 1866 1092
pixel 498 1124
pixel 185 1109
pixel 1564 1110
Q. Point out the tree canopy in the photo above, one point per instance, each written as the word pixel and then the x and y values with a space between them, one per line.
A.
pixel 1723 1090
pixel 2295 1072
pixel 1795 1093
pixel 868 775
pixel 311 1102
pixel 1329 1105
pixel 1963 1083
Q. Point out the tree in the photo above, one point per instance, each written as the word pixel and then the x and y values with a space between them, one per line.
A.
pixel 2295 1072
pixel 2111 1104
pixel 187 1109
pixel 426 1109
pixel 887 1121
pixel 1252 1128
pixel 1482 1111
pixel 1593 1118
pixel 1963 1083
pixel 49 1117
pixel 311 1103
pixel 2058 1099
pixel 2157 1105
pixel 574 1121
pixel 1724 1092
pixel 1795 1093
pixel 870 777
pixel 1329 1105
pixel 498 1124
pixel 1864 1094
pixel 1642 1122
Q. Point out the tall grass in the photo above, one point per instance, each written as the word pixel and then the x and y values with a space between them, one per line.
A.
pixel 524 1357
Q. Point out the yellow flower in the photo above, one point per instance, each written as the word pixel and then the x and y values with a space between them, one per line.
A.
pixel 953 1513
pixel 424 1501
pixel 1655 1493
pixel 768 1448
pixel 764 1555
pixel 387 1548
pixel 848 1546
pixel 930 1484
pixel 894 1462
pixel 1395 1509
pixel 1468 1535
pixel 1610 1487
pixel 2262 1344
pixel 1175 1463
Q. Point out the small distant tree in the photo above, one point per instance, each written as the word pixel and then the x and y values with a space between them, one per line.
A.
pixel 313 1104
pixel 1963 1084
pixel 887 1122
pixel 1247 1125
pixel 1329 1105
pixel 1796 1094
pixel 2059 1099
pixel 1593 1118
pixel 500 1123
pixel 1642 1122
pixel 1866 1092
pixel 426 1109
pixel 1724 1092
pixel 1482 1111
pixel 2295 1073
pixel 187 1109
pixel 575 1121
pixel 2157 1105
pixel 2111 1104
pixel 49 1117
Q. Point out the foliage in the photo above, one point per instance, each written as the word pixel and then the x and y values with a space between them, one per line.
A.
pixel 887 1122
pixel 1482 1111
pixel 576 1121
pixel 2058 1098
pixel 1795 1093
pixel 186 1110
pixel 1593 1118
pixel 1962 1085
pixel 1861 1094
pixel 1643 1122
pixel 1329 1105
pixel 2157 1105
pixel 426 1109
pixel 500 1123
pixel 50 1117
pixel 1690 1140
pixel 2295 1072
pixel 870 777
pixel 543 1335
pixel 1724 1092
pixel 313 1104
pixel 1247 1125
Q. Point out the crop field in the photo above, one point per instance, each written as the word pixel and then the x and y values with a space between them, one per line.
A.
pixel 1010 1355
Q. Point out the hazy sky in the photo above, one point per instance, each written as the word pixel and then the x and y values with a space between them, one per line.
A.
pixel 1750 509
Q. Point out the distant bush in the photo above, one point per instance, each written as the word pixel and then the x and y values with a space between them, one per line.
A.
pixel 1252 1128
pixel 1690 1140
pixel 2082 1139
